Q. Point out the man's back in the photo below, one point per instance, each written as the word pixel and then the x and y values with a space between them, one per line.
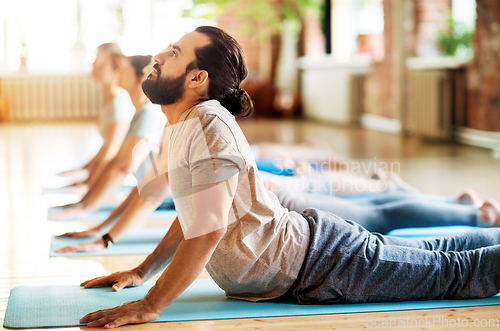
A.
pixel 265 245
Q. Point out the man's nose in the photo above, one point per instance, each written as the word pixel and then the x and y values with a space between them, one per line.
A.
pixel 159 58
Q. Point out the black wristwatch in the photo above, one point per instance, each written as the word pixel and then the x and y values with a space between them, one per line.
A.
pixel 108 242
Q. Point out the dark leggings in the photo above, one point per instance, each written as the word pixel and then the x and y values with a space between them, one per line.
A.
pixel 379 215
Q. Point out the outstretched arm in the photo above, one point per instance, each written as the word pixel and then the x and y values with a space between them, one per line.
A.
pixel 115 134
pixel 114 139
pixel 191 257
pixel 135 210
pixel 93 232
pixel 154 263
pixel 211 208
pixel 113 174
pixel 109 180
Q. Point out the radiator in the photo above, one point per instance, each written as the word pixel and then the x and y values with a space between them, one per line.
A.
pixel 431 95
pixel 332 91
pixel 63 97
pixel 357 95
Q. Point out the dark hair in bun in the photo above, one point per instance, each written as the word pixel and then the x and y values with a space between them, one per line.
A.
pixel 224 60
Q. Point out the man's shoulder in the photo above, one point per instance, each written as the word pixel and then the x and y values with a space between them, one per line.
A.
pixel 210 109
pixel 210 119
pixel 218 123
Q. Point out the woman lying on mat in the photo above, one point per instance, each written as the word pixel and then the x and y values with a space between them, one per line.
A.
pixel 340 183
pixel 289 160
pixel 317 162
pixel 253 247
pixel 147 124
pixel 380 213
pixel 114 121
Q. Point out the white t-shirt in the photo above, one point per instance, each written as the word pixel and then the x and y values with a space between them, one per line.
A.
pixel 148 123
pixel 265 245
pixel 121 110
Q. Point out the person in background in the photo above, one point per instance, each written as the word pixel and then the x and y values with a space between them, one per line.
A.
pixel 114 120
pixel 382 212
pixel 147 124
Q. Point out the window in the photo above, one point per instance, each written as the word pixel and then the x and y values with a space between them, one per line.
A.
pixel 62 35
pixel 357 28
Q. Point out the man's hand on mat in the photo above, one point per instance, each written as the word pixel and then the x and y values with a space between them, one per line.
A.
pixel 118 280
pixel 133 312
pixel 81 234
pixel 85 247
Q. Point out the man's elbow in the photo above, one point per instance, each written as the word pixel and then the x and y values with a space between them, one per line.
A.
pixel 216 230
pixel 218 234
pixel 209 233
pixel 213 238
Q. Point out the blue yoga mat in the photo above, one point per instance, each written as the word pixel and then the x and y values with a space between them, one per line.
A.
pixel 103 213
pixel 271 167
pixel 359 197
pixel 430 232
pixel 138 241
pixel 60 306
pixel 144 241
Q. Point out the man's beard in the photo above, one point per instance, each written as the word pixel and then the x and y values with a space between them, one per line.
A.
pixel 164 91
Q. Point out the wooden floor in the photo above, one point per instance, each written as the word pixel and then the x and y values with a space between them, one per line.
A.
pixel 29 154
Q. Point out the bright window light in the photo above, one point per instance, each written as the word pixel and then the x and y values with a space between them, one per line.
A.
pixel 62 35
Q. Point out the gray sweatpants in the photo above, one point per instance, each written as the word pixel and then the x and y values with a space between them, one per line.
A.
pixel 346 263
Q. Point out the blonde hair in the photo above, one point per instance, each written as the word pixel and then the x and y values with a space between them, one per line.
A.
pixel 115 53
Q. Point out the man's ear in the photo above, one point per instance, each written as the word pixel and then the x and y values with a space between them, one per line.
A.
pixel 199 79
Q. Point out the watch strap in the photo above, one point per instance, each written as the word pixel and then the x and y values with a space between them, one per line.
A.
pixel 108 242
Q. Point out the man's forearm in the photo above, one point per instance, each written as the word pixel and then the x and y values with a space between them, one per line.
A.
pixel 162 255
pixel 191 257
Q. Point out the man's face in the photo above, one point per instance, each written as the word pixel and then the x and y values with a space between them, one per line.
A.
pixel 166 83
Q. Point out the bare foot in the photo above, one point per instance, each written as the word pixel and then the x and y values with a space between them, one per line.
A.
pixel 394 182
pixel 470 197
pixel 489 213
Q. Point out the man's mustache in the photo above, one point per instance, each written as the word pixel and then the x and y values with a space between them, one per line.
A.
pixel 157 68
